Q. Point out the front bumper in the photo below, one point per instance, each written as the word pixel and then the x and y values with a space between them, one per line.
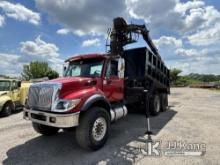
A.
pixel 51 119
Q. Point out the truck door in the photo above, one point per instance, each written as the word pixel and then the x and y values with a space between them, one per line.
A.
pixel 15 92
pixel 113 83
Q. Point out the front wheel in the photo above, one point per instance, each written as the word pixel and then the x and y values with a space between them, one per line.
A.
pixel 44 129
pixel 92 133
pixel 7 110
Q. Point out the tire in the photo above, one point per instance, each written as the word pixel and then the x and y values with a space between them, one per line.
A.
pixel 155 105
pixel 6 110
pixel 163 102
pixel 44 129
pixel 87 135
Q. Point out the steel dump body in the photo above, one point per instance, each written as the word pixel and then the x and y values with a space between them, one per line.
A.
pixel 144 70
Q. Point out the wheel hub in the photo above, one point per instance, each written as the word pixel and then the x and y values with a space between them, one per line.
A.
pixel 99 129
pixel 7 109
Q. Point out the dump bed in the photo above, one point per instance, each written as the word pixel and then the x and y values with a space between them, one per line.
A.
pixel 140 62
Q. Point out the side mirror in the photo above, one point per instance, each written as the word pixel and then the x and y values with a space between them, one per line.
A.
pixel 64 70
pixel 121 67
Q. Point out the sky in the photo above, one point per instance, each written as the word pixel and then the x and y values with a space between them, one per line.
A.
pixel 187 33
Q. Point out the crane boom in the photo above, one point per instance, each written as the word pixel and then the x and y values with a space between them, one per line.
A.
pixel 121 35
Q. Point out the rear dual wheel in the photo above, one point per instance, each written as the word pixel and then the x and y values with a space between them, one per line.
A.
pixel 158 103
pixel 164 102
pixel 155 105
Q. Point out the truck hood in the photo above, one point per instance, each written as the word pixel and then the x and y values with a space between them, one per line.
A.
pixel 70 84
pixel 71 80
pixel 3 93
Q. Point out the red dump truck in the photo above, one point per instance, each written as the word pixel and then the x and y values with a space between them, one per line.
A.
pixel 97 89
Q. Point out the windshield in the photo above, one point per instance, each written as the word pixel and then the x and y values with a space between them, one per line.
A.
pixel 85 68
pixel 5 85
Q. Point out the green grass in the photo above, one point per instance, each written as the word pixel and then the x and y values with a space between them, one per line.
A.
pixel 185 81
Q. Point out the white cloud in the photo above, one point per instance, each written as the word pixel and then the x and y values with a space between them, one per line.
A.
pixel 63 31
pixel 83 16
pixel 201 18
pixel 208 32
pixel 183 17
pixel 205 61
pixel 187 52
pixel 168 41
pixel 174 15
pixel 19 12
pixel 192 20
pixel 206 36
pixel 195 19
pixel 188 59
pixel 10 65
pixel 91 42
pixel 183 7
pixel 42 51
pixel 154 12
pixel 211 16
pixel 167 46
pixel 39 48
pixel 2 20
pixel 79 33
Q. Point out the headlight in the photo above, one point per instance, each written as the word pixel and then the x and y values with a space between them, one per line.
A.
pixel 66 105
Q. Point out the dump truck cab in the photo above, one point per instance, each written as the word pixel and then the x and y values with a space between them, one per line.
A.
pixel 89 80
pixel 9 95
pixel 102 71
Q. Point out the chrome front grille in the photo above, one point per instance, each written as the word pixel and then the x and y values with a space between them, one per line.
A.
pixel 41 96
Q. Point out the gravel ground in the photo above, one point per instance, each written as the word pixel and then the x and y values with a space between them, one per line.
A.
pixel 193 117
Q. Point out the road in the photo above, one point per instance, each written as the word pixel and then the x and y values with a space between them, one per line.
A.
pixel 193 118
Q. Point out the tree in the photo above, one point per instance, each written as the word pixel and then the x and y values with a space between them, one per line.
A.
pixel 51 74
pixel 174 75
pixel 4 76
pixel 38 69
pixel 204 77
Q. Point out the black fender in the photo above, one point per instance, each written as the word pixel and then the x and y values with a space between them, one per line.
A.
pixel 96 100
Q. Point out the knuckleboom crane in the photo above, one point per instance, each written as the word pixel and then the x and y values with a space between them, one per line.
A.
pixel 123 34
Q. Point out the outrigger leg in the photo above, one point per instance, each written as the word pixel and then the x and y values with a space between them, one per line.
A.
pixel 147 113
